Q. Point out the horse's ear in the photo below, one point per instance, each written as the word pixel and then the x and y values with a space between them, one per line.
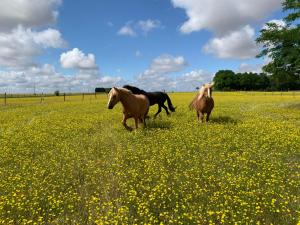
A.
pixel 116 89
pixel 212 84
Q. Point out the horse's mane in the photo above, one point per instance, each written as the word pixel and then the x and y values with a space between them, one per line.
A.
pixel 125 90
pixel 134 89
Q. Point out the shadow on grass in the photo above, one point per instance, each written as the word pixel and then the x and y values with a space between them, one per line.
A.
pixel 222 120
pixel 292 106
pixel 154 124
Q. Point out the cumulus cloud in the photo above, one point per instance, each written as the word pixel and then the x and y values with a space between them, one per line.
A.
pixel 246 68
pixel 164 64
pixel 133 29
pixel 161 75
pixel 45 78
pixel 147 25
pixel 20 46
pixel 49 38
pixel 238 44
pixel 230 21
pixel 28 13
pixel 189 81
pixel 157 76
pixel 223 16
pixel 76 59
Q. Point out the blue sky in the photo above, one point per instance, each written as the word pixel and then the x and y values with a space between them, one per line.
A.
pixel 154 44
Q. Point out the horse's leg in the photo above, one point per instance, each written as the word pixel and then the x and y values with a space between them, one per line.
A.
pixel 136 120
pixel 198 116
pixel 144 120
pixel 201 117
pixel 165 107
pixel 207 116
pixel 125 117
pixel 159 110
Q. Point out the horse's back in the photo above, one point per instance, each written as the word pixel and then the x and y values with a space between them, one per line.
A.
pixel 157 97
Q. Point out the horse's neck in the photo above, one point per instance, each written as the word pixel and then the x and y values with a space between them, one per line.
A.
pixel 125 99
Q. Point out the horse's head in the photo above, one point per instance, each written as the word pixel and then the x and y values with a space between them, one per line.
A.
pixel 206 90
pixel 113 97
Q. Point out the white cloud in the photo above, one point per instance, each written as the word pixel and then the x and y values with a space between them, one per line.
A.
pixel 127 30
pixel 157 76
pixel 164 64
pixel 246 68
pixel 49 38
pixel 46 79
pixel 224 16
pixel 133 29
pixel 189 81
pixel 20 46
pixel 237 45
pixel 147 25
pixel 167 64
pixel 29 13
pixel 76 59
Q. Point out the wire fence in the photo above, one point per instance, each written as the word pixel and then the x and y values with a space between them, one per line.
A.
pixel 12 99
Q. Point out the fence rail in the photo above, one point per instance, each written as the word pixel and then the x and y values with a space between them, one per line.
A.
pixel 8 99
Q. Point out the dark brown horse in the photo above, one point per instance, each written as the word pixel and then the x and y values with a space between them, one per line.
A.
pixel 203 102
pixel 156 97
pixel 136 106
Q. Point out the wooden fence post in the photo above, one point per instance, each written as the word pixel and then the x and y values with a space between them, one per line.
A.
pixel 5 98
pixel 64 97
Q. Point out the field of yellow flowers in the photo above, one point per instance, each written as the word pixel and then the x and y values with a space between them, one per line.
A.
pixel 74 163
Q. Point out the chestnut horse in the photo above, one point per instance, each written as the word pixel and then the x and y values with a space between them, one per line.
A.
pixel 136 106
pixel 203 102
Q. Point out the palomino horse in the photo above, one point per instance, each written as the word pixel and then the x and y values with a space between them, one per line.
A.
pixel 136 106
pixel 203 102
pixel 157 97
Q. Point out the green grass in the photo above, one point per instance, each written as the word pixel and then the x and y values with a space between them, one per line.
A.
pixel 74 163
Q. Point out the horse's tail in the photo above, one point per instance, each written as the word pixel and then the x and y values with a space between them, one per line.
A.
pixel 171 107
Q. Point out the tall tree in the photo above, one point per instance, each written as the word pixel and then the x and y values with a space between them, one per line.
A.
pixel 225 80
pixel 281 43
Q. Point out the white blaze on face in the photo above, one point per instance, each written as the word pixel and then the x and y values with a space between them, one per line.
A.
pixel 208 92
pixel 109 96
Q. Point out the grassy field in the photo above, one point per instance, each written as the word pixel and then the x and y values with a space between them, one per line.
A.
pixel 73 162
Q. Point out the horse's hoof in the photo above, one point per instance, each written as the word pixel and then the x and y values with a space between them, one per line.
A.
pixel 128 128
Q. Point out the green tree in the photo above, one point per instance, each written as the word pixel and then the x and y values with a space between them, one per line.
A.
pixel 225 80
pixel 281 43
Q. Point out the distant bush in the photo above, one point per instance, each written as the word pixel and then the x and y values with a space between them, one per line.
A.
pixel 56 93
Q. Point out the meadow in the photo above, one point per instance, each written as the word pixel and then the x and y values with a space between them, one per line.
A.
pixel 74 163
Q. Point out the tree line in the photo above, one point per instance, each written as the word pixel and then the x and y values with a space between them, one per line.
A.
pixel 227 80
